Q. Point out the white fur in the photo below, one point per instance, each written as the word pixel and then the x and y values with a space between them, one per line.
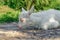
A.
pixel 43 19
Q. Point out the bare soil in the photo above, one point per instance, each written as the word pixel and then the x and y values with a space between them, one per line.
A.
pixel 10 31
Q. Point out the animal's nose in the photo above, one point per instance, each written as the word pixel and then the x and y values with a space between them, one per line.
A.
pixel 20 27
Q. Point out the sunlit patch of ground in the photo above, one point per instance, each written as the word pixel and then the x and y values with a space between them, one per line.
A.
pixel 13 33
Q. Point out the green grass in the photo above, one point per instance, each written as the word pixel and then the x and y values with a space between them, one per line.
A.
pixel 8 15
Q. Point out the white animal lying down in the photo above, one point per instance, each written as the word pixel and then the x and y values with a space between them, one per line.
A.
pixel 43 19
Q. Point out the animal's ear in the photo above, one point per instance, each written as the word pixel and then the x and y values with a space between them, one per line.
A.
pixel 31 10
pixel 23 10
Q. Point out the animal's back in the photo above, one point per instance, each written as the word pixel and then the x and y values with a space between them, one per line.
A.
pixel 44 16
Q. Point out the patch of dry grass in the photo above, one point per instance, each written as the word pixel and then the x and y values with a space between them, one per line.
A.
pixel 4 9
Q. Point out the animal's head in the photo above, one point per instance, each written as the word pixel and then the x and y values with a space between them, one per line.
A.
pixel 24 17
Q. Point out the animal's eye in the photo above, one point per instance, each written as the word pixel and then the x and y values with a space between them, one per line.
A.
pixel 21 19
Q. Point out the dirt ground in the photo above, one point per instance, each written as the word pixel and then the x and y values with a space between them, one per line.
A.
pixel 10 31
